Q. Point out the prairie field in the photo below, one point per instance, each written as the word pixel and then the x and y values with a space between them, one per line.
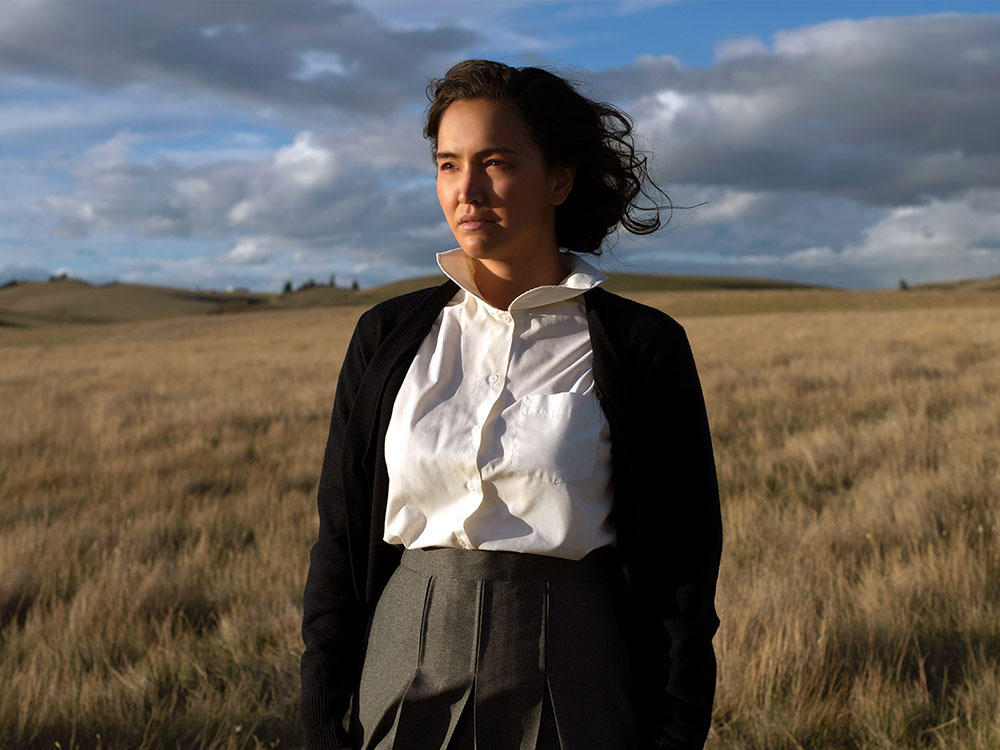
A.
pixel 157 507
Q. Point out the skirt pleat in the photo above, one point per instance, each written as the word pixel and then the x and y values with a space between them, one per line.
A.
pixel 509 700
pixel 485 650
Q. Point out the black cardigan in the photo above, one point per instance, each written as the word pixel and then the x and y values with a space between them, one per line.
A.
pixel 666 512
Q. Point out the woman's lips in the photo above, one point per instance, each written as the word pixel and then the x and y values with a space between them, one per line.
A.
pixel 471 222
pixel 473 225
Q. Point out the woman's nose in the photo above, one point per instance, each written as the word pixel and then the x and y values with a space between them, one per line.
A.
pixel 471 189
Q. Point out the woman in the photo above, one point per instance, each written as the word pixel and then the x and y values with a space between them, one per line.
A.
pixel 519 518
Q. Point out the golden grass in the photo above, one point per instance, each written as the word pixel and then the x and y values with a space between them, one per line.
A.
pixel 157 488
pixel 860 591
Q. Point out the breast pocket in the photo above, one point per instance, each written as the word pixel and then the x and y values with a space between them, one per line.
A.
pixel 556 436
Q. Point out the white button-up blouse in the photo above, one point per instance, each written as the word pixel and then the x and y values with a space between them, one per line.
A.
pixel 497 440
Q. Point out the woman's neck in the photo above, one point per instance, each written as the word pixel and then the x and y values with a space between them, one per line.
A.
pixel 501 283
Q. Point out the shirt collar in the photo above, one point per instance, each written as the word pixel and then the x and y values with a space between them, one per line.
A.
pixel 580 277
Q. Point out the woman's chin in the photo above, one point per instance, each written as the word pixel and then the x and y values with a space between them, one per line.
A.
pixel 480 250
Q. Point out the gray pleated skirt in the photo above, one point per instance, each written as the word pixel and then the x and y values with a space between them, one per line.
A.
pixel 485 650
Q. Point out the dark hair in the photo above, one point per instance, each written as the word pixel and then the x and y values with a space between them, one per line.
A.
pixel 570 129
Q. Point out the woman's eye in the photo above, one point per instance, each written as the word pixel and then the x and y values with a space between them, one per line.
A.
pixel 496 162
pixel 445 165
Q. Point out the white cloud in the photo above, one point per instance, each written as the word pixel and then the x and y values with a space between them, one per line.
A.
pixel 939 232
pixel 949 239
pixel 668 105
pixel 108 155
pixel 305 163
pixel 887 110
pixel 331 55
pixel 812 257
pixel 316 63
pixel 240 212
pixel 737 47
pixel 726 205
pixel 75 216
pixel 251 251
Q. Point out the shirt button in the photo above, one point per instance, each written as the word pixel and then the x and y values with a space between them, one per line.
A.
pixel 471 485
pixel 492 378
pixel 505 317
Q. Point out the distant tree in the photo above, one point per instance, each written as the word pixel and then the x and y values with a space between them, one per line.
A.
pixel 288 287
pixel 59 277
pixel 333 280
pixel 307 284
pixel 903 286
pixel 11 282
pixel 354 285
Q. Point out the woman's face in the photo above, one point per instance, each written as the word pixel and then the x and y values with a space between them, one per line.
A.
pixel 496 191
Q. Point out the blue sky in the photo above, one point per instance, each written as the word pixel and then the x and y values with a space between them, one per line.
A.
pixel 248 143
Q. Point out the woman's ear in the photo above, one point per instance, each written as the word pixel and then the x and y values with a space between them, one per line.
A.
pixel 561 182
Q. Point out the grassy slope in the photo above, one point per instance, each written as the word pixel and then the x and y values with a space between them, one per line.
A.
pixel 991 284
pixel 642 282
pixel 34 304
pixel 73 301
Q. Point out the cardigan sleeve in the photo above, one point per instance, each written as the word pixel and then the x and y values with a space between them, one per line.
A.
pixel 333 618
pixel 680 553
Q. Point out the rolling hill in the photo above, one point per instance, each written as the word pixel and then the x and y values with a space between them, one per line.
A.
pixel 62 301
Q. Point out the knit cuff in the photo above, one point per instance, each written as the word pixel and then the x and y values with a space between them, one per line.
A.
pixel 322 723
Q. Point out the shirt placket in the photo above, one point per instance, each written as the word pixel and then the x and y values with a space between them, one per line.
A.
pixel 491 374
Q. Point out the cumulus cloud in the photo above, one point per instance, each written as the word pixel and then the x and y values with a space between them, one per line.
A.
pixel 726 205
pixel 957 234
pixel 252 251
pixel 311 55
pixel 305 164
pixel 309 189
pixel 788 236
pixel 739 47
pixel 883 110
pixel 312 203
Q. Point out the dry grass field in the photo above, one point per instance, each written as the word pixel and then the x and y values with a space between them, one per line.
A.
pixel 157 485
